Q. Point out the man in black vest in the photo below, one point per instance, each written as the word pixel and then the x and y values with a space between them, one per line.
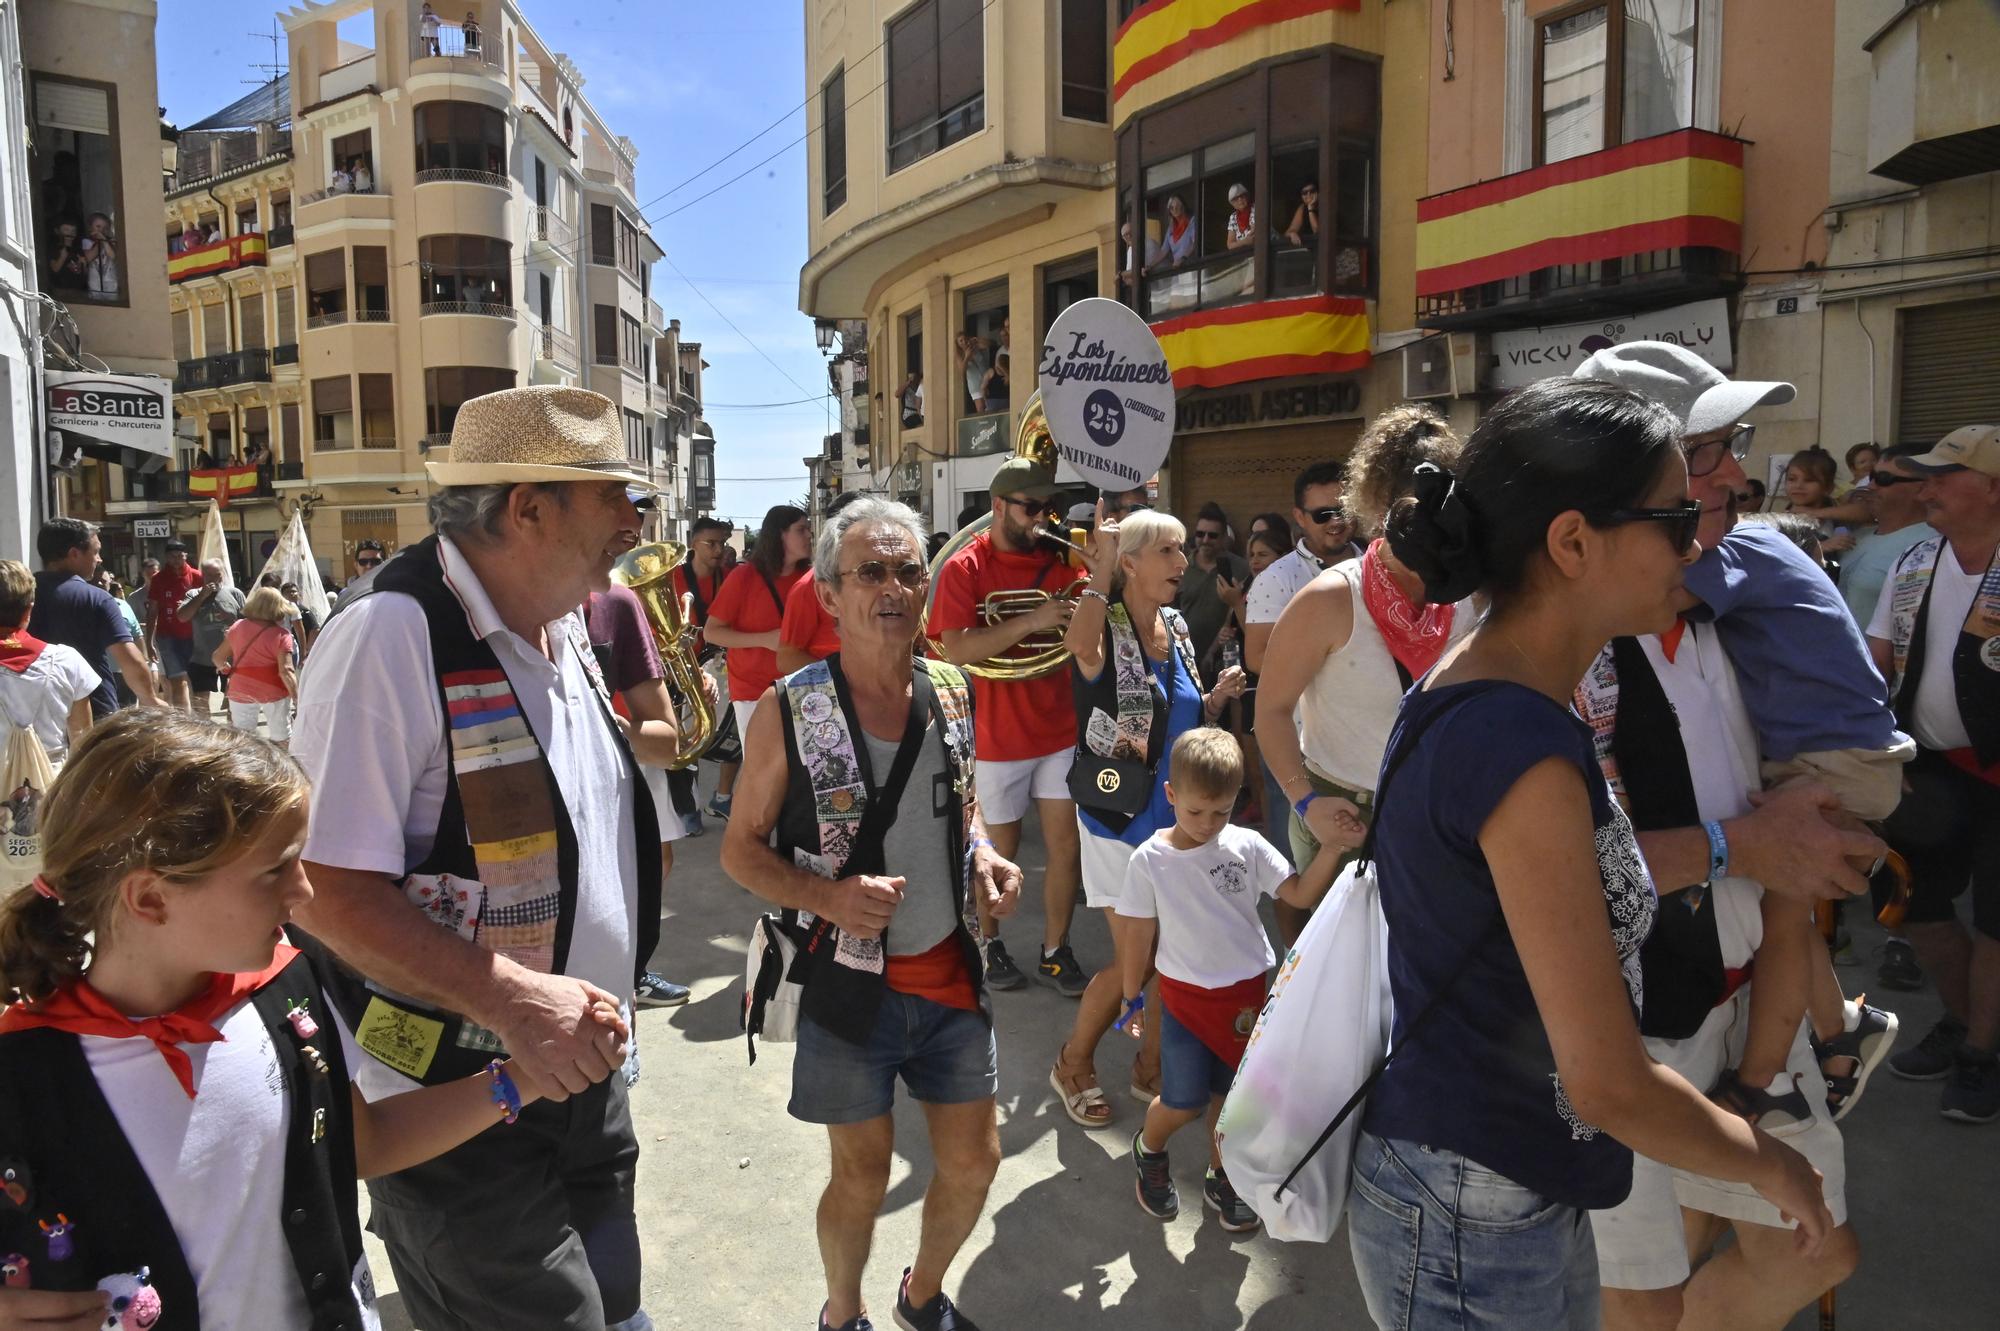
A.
pixel 1673 724
pixel 860 765
pixel 1936 638
pixel 487 863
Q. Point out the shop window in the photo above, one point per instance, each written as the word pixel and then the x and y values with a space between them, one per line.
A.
pixel 449 387
pixel 833 141
pixel 1063 285
pixel 1086 60
pixel 465 274
pixel 371 283
pixel 1610 73
pixel 604 334
pixel 351 163
pixel 937 78
pixel 378 410
pixel 326 288
pixel 981 354
pixel 79 196
pixel 461 136
pixel 333 413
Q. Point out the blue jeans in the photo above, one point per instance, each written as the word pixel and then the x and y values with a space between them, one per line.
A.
pixel 1440 1242
pixel 1190 1073
pixel 945 1056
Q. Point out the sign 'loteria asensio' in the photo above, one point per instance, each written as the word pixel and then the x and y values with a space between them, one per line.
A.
pixel 1108 394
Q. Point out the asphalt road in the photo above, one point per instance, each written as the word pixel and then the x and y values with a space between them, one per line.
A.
pixel 728 1182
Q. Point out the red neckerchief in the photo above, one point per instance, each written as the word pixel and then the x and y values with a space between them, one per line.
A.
pixel 1175 229
pixel 1415 634
pixel 1670 641
pixel 1243 216
pixel 19 650
pixel 81 1010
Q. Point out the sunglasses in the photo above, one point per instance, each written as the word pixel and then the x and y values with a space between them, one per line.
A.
pixel 1679 522
pixel 1032 508
pixel 366 563
pixel 1201 535
pixel 1323 516
pixel 1705 457
pixel 875 573
pixel 1883 479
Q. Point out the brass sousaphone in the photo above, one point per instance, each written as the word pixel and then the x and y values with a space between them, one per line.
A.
pixel 648 571
pixel 1039 653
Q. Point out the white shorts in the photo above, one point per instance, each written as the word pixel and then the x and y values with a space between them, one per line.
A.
pixel 1005 789
pixel 1105 860
pixel 1640 1242
pixel 671 827
pixel 277 718
pixel 742 711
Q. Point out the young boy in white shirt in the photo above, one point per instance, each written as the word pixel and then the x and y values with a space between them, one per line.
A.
pixel 1194 886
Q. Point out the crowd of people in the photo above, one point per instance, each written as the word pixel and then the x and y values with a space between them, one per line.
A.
pixel 1642 748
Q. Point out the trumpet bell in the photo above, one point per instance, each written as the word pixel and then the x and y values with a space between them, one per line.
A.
pixel 648 572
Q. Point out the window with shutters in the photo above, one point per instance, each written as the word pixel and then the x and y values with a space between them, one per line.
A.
pixel 449 387
pixel 937 78
pixel 461 137
pixel 78 189
pixel 215 329
pixel 326 288
pixel 635 436
pixel 288 428
pixel 465 274
pixel 257 435
pixel 1086 60
pixel 220 445
pixel 604 334
pixel 371 283
pixel 378 410
pixel 286 331
pixel 603 235
pixel 183 335
pixel 333 413
pixel 634 342
pixel 1948 369
pixel 250 321
pixel 833 141
pixel 628 247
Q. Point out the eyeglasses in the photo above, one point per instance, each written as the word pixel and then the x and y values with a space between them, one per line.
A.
pixel 1679 522
pixel 1032 508
pixel 874 573
pixel 1705 457
pixel 1323 516
pixel 1201 535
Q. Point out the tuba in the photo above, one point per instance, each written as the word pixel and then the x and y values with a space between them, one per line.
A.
pixel 648 571
pixel 1038 654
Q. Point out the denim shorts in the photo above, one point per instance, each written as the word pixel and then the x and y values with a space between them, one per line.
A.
pixel 1189 1070
pixel 175 653
pixel 1440 1242
pixel 945 1055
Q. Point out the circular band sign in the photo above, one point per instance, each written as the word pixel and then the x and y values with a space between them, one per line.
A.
pixel 1108 394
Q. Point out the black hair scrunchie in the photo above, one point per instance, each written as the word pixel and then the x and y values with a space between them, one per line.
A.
pixel 1434 535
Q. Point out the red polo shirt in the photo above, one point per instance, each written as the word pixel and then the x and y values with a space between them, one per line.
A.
pixel 164 595
pixel 1013 719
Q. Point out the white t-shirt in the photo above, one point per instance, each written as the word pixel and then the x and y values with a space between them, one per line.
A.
pixel 1934 719
pixel 1206 902
pixel 370 734
pixel 1273 589
pixel 218 1164
pixel 40 696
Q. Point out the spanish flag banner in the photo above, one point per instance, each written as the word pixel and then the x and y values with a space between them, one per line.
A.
pixel 1307 335
pixel 1672 191
pixel 1165 32
pixel 235 252
pixel 222 483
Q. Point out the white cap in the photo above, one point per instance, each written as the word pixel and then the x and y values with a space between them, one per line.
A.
pixel 1683 383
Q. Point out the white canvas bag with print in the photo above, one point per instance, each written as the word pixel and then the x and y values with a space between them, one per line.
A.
pixel 25 777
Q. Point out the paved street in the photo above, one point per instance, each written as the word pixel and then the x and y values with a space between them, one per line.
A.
pixel 728 1182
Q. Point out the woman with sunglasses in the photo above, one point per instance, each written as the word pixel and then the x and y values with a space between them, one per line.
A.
pixel 1137 688
pixel 1515 892
pixel 1305 217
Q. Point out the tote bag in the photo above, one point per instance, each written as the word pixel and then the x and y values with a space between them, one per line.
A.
pixel 25 777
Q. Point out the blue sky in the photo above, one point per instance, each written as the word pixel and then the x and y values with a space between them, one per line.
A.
pixel 687 82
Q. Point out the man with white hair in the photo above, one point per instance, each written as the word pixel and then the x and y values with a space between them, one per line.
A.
pixel 865 760
pixel 487 865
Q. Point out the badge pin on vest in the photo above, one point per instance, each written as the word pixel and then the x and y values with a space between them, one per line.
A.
pixel 61 1246
pixel 14 1270
pixel 300 1015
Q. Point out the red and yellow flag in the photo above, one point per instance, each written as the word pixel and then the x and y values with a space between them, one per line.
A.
pixel 1165 32
pixel 1671 191
pixel 235 252
pixel 222 484
pixel 1307 335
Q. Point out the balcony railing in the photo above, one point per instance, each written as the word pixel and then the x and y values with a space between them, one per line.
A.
pixel 489 309
pixel 548 227
pixel 1653 218
pixel 454 44
pixel 656 318
pixel 370 316
pixel 378 441
pixel 431 441
pixel 322 195
pixel 233 367
pixel 280 236
pixel 221 256
pixel 291 471
pixel 325 319
pixel 553 344
pixel 459 175
pixel 171 487
pixel 285 354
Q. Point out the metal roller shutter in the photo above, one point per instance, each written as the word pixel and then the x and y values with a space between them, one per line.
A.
pixel 1250 471
pixel 1949 373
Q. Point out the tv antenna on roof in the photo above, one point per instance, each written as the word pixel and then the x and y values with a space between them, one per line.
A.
pixel 277 64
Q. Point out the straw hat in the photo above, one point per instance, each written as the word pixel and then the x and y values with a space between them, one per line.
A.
pixel 547 432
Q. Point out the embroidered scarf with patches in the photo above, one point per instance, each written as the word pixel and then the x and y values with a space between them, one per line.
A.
pixel 845 975
pixel 1129 734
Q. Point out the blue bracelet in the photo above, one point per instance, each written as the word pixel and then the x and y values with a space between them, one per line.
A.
pixel 1133 1007
pixel 1718 851
pixel 506 1095
pixel 1304 801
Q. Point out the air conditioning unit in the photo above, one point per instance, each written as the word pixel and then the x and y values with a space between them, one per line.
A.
pixel 1427 368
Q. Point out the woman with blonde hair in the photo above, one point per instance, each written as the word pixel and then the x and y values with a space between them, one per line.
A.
pixel 257 654
pixel 1136 689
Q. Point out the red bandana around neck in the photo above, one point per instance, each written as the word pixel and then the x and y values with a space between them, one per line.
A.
pixel 1178 228
pixel 1415 634
pixel 1670 641
pixel 1243 221
pixel 19 650
pixel 81 1010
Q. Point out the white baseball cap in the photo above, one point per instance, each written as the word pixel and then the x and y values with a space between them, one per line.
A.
pixel 1975 447
pixel 1683 383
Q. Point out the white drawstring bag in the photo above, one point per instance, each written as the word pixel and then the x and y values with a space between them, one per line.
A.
pixel 1316 1047
pixel 25 777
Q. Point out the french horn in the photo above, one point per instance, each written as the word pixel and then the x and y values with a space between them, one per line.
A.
pixel 1039 653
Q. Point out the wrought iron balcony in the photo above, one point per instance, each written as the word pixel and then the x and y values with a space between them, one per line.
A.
pixel 233 367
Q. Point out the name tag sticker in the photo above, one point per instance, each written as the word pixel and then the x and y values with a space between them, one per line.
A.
pixel 402 1039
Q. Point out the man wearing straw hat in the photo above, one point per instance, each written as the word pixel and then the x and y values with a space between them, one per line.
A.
pixel 487 865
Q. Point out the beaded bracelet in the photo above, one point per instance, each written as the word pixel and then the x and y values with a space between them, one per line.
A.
pixel 506 1095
